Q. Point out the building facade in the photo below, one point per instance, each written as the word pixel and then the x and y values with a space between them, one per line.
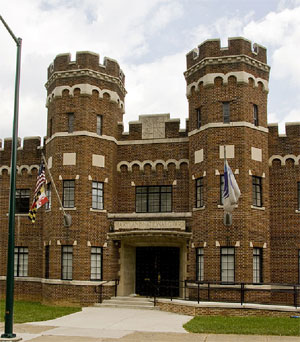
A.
pixel 146 205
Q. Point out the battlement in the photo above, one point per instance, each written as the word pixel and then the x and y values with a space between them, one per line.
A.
pixel 284 144
pixel 152 126
pixel 236 46
pixel 28 150
pixel 86 60
pixel 292 130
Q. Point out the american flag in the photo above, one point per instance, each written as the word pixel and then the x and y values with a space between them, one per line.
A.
pixel 41 179
pixel 39 197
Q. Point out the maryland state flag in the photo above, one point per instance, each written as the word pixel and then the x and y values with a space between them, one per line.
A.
pixel 39 198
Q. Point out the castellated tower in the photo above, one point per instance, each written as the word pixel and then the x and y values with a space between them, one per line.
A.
pixel 85 102
pixel 146 205
pixel 227 93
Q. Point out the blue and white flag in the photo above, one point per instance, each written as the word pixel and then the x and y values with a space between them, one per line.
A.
pixel 231 191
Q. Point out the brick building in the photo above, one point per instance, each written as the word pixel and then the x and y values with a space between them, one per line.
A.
pixel 146 204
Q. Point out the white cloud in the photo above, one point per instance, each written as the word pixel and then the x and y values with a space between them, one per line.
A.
pixel 281 32
pixel 51 27
pixel 111 29
pixel 156 87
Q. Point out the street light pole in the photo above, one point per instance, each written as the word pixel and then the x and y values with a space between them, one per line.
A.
pixel 8 332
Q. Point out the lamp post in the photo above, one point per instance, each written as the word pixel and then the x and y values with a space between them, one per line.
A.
pixel 8 331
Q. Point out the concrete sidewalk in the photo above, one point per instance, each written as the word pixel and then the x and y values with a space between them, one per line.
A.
pixel 125 325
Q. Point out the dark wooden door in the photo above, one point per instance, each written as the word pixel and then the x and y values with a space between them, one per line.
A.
pixel 158 266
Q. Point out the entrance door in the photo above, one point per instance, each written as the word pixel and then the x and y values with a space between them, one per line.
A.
pixel 158 266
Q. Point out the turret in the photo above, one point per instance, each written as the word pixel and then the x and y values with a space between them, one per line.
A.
pixel 227 93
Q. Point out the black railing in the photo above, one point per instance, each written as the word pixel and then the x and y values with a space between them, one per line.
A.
pixel 99 288
pixel 263 293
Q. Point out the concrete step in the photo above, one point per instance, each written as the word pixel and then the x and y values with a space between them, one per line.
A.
pixel 129 302
pixel 124 306
pixel 131 298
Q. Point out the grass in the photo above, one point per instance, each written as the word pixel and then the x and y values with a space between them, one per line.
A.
pixel 33 311
pixel 282 326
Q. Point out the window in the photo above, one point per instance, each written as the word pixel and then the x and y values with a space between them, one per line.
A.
pixel 200 264
pixel 48 194
pixel 21 262
pixel 69 194
pixel 99 124
pixel 22 201
pixel 227 264
pixel 67 262
pixel 226 112
pixel 256 191
pixel 153 199
pixel 199 193
pixel 298 195
pixel 50 128
pixel 222 184
pixel 97 195
pixel 70 122
pixel 257 265
pixel 199 117
pixel 255 115
pixel 96 263
pixel 47 263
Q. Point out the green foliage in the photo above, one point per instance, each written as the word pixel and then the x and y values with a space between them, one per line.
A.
pixel 282 326
pixel 33 311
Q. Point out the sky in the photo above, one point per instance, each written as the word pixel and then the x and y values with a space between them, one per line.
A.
pixel 149 39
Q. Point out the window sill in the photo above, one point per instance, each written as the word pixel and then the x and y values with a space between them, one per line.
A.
pixel 258 208
pixel 47 210
pixel 297 211
pixel 20 215
pixel 66 209
pixel 98 210
pixel 221 206
pixel 200 208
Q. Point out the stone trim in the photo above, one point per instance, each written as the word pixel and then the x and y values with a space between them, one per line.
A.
pixel 98 210
pixel 56 281
pixel 152 163
pixel 150 225
pixel 147 215
pixel 190 307
pixel 199 209
pixel 149 233
pixel 231 124
pixel 257 208
pixel 283 159
pixel 226 60
pixel 86 73
pixel 118 142
pixel 20 168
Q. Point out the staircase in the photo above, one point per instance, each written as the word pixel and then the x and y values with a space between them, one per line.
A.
pixel 130 302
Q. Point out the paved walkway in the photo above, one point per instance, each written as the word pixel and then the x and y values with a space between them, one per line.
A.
pixel 125 325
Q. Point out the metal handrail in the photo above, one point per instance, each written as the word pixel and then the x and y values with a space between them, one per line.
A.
pixel 215 286
pixel 100 287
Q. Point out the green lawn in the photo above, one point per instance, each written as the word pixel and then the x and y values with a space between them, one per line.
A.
pixel 34 311
pixel 283 326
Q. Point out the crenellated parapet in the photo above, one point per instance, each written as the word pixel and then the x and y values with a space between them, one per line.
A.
pixel 286 146
pixel 240 55
pixel 152 127
pixel 28 155
pixel 86 60
pixel 211 48
pixel 85 66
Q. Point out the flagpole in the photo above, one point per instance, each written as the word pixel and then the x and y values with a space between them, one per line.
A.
pixel 9 308
pixel 67 217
